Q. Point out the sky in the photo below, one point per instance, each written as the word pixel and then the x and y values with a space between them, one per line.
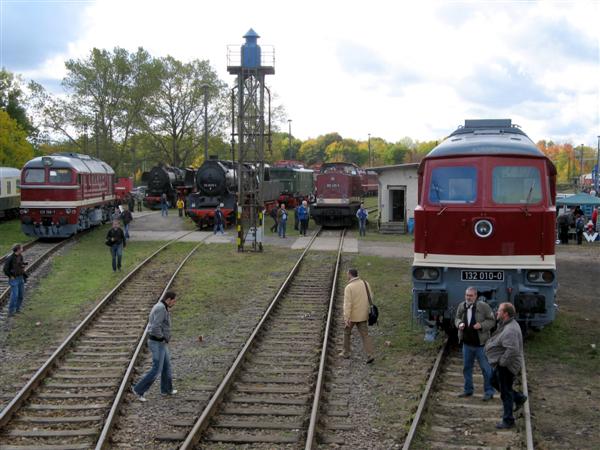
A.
pixel 386 68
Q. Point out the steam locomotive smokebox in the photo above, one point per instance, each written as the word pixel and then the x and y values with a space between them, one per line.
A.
pixel 214 178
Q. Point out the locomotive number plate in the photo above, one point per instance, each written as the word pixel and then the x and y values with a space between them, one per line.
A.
pixel 482 275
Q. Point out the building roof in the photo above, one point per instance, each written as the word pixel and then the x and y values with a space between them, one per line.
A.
pixel 393 166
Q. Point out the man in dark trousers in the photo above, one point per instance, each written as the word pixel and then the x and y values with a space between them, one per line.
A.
pixel 116 238
pixel 505 352
pixel 474 320
pixel 159 335
pixel 126 217
pixel 274 214
pixel 14 269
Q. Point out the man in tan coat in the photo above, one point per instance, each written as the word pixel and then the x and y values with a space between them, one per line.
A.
pixel 356 312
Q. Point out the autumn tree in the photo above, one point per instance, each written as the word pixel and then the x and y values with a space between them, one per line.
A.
pixel 15 150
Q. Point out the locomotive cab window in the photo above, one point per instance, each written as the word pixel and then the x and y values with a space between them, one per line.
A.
pixel 516 185
pixel 34 176
pixel 456 184
pixel 60 176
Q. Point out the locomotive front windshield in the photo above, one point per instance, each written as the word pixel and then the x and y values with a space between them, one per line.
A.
pixel 34 176
pixel 456 184
pixel 516 185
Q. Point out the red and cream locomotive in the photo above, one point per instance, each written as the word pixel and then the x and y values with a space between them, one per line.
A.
pixel 485 218
pixel 64 193
pixel 339 192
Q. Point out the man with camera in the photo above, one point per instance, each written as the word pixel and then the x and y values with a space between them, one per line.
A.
pixel 14 269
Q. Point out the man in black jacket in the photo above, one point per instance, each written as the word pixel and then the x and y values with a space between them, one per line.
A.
pixel 14 269
pixel 474 320
pixel 116 238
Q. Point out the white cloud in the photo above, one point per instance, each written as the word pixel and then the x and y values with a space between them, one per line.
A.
pixel 387 68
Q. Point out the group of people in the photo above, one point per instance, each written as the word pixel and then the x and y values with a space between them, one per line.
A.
pixel 279 214
pixel 575 218
pixel 499 354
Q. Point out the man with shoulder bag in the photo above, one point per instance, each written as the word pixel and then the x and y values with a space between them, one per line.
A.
pixel 357 301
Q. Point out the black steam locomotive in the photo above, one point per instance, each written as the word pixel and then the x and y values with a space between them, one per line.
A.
pixel 164 179
pixel 217 184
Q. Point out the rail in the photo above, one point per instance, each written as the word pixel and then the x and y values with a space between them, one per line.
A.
pixel 7 413
pixel 450 435
pixel 421 408
pixel 202 423
pixel 314 415
pixel 103 440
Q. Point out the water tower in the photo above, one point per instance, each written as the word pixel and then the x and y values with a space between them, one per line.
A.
pixel 250 132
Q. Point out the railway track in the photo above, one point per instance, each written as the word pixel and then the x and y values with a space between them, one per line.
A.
pixel 271 394
pixel 66 404
pixel 444 421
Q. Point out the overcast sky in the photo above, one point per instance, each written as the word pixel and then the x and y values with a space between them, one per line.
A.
pixel 388 68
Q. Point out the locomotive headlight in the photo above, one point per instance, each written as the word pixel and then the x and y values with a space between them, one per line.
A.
pixel 537 276
pixel 24 211
pixel 483 228
pixel 68 210
pixel 426 273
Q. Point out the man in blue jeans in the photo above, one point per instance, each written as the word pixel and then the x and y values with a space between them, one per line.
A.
pixel 159 335
pixel 474 320
pixel 14 269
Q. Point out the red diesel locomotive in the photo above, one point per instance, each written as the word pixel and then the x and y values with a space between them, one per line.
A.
pixel 64 193
pixel 485 218
pixel 338 194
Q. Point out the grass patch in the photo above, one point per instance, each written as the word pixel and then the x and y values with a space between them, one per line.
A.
pixel 76 281
pixel 566 341
pixel 217 281
pixel 10 233
pixel 373 235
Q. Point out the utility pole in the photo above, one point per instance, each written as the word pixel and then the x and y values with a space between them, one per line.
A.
pixel 581 180
pixel 369 146
pixel 205 87
pixel 289 139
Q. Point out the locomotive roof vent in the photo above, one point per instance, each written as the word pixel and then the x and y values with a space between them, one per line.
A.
pixel 488 126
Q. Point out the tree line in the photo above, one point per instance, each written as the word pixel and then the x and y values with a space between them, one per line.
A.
pixel 134 110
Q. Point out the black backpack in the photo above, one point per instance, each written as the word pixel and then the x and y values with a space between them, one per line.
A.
pixel 7 265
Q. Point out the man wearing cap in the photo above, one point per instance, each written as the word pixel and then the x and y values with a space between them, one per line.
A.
pixel 14 269
pixel 219 220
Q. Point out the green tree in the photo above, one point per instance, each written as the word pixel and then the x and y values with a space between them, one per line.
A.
pixel 13 101
pixel 174 114
pixel 15 150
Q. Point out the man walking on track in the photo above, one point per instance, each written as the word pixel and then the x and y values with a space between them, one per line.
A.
pixel 159 335
pixel 115 238
pixel 505 352
pixel 474 320
pixel 356 313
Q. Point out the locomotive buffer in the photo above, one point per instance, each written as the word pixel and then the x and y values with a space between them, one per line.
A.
pixel 248 127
